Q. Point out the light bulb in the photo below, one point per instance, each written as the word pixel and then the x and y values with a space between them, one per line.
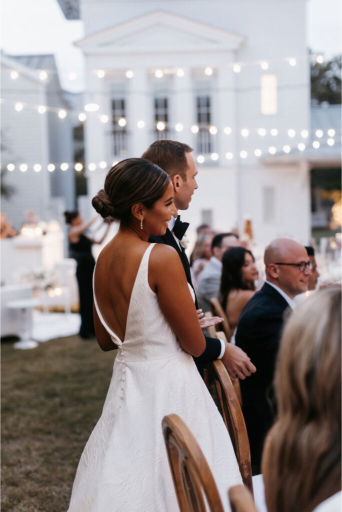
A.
pixel 286 149
pixel 301 146
pixel 51 167
pixel 91 107
pixel 23 167
pixel 229 156
pixel 10 167
pixel 208 71
pixel 200 159
pixel 78 167
pixel 195 129
pixel 292 62
pixel 41 110
pixel 264 65
pixel 159 73
pixel 274 132
pixel 179 127
pixel 214 156
pixel 114 163
pixel 43 75
pixel 18 107
pixel 141 124
pixel 62 114
pixel 103 165
pixel 227 130
pixel 262 132
pixel 160 126
pixel 316 144
pixel 319 133
pixel 272 150
pixel 304 134
pixel 258 152
pixel 14 75
pixel 291 133
pixel 37 167
pixel 243 154
pixel 91 167
pixel 319 59
pixel 129 74
pixel 213 130
pixel 331 132
pixel 330 142
pixel 101 73
pixel 180 72
pixel 122 122
pixel 236 68
pixel 64 167
pixel 104 119
pixel 82 117
pixel 245 132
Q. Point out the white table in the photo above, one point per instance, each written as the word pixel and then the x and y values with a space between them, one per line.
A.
pixel 26 307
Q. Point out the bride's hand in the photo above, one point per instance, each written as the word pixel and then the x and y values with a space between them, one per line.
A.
pixel 207 322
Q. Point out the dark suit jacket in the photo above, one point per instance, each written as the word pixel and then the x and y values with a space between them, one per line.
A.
pixel 258 334
pixel 213 346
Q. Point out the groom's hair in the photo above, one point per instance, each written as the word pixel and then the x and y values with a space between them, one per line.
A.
pixel 169 155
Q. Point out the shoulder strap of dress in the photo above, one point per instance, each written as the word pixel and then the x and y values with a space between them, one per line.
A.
pixel 115 336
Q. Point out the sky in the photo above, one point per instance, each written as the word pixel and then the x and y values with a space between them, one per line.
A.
pixel 40 27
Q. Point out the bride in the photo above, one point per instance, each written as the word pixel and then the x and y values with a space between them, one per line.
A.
pixel 143 307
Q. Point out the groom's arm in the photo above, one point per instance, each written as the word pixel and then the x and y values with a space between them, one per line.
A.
pixel 212 351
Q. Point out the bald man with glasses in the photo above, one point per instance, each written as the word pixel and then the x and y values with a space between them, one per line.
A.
pixel 288 269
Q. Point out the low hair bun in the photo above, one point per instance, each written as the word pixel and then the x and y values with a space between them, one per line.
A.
pixel 103 205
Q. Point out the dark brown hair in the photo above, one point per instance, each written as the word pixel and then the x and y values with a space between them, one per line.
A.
pixel 130 182
pixel 170 156
pixel 70 216
pixel 302 456
pixel 232 278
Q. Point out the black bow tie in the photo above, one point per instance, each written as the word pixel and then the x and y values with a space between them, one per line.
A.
pixel 179 229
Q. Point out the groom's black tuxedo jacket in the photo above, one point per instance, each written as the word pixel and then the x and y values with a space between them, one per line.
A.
pixel 258 334
pixel 213 346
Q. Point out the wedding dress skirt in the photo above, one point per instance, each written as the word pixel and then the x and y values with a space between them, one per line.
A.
pixel 124 466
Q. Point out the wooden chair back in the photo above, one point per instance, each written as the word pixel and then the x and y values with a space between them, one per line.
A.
pixel 190 471
pixel 217 310
pixel 241 500
pixel 235 382
pixel 234 421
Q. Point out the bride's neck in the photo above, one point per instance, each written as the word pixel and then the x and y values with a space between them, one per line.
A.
pixel 134 231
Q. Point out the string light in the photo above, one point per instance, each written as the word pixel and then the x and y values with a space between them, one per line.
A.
pixel 141 124
pixel 245 132
pixel 301 146
pixel 82 117
pixel 262 132
pixel 208 71
pixel 43 75
pixel 10 167
pixel 37 167
pixel 62 114
pixel 104 119
pixel 319 133
pixel 229 156
pixel 159 73
pixel 180 72
pixel 51 167
pixel 23 167
pixel 41 109
pixel 274 132
pixel 18 107
pixel 214 156
pixel 331 132
pixel 122 122
pixel 330 142
pixel 78 167
pixel 243 154
pixel 195 129
pixel 179 127
pixel 101 73
pixel 200 159
pixel 286 149
pixel 213 130
pixel 91 107
pixel 227 130
pixel 258 152
pixel 292 62
pixel 114 163
pixel 129 74
pixel 291 133
pixel 64 167
pixel 14 75
pixel 264 65
pixel 272 150
pixel 103 165
pixel 91 167
pixel 319 59
pixel 236 68
pixel 304 134
pixel 160 126
pixel 316 144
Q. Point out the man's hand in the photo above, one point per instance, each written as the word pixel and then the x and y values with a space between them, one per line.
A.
pixel 237 362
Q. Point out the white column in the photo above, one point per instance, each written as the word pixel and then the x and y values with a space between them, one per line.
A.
pixel 95 131
pixel 139 110
pixel 183 106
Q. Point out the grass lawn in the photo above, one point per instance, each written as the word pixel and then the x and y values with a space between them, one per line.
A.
pixel 52 396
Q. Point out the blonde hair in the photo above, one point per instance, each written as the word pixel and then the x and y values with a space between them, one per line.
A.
pixel 302 455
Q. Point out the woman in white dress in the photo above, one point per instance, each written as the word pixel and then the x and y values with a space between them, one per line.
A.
pixel 143 307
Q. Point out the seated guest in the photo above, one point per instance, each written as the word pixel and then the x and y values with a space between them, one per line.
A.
pixel 6 229
pixel 301 461
pixel 200 256
pixel 314 272
pixel 203 229
pixel 209 281
pixel 237 282
pixel 259 329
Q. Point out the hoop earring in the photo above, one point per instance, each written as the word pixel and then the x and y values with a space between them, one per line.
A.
pixel 141 224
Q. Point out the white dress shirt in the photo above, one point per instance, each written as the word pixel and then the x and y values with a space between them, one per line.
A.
pixel 290 302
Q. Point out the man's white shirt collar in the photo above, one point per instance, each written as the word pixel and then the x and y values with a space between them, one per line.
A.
pixel 290 302
pixel 171 226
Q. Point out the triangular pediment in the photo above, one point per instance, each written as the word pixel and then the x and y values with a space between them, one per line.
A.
pixel 158 32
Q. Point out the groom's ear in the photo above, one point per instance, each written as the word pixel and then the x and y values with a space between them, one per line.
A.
pixel 177 181
pixel 137 210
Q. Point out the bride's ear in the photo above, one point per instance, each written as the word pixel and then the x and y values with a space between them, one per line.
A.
pixel 137 211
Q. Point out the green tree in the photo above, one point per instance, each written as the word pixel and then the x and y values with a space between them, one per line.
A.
pixel 326 81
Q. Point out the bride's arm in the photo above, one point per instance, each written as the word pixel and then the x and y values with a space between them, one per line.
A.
pixel 167 279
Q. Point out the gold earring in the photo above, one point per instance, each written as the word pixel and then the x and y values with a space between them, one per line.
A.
pixel 141 224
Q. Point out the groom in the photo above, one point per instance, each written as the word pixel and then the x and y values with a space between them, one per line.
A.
pixel 176 159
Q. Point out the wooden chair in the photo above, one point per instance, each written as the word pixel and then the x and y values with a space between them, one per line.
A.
pixel 217 310
pixel 241 500
pixel 234 421
pixel 190 471
pixel 235 382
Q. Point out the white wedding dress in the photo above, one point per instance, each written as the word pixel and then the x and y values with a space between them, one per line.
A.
pixel 124 466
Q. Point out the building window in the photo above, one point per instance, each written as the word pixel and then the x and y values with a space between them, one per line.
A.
pixel 269 204
pixel 268 95
pixel 207 217
pixel 119 133
pixel 161 115
pixel 203 114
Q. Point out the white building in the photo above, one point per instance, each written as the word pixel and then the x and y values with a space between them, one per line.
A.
pixel 238 71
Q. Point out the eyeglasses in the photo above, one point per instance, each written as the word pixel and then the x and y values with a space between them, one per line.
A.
pixel 302 266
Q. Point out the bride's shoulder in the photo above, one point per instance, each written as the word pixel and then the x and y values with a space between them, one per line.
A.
pixel 163 254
